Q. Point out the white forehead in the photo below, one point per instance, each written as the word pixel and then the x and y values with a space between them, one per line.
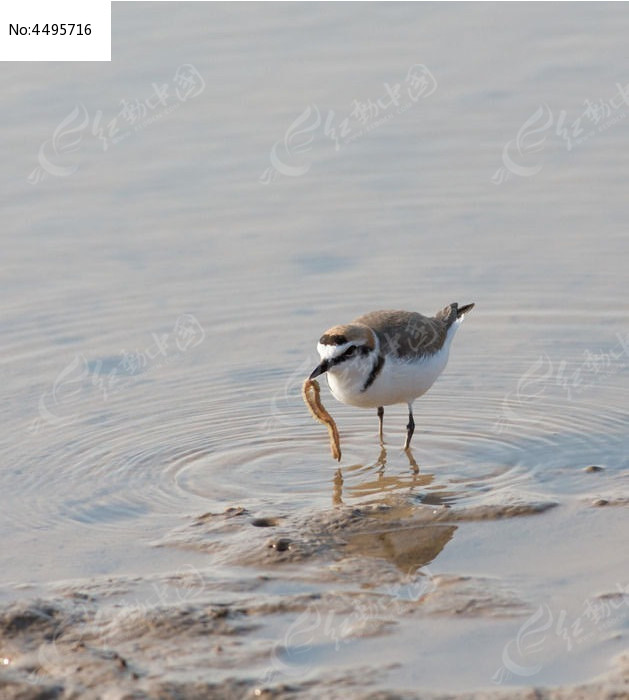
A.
pixel 326 352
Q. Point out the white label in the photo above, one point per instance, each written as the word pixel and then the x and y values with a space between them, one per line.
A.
pixel 66 30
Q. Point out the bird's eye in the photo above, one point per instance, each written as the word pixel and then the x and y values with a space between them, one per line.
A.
pixel 351 350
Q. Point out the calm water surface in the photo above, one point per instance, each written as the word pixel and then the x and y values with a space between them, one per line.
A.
pixel 182 224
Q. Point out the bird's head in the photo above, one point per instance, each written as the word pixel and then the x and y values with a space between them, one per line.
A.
pixel 342 348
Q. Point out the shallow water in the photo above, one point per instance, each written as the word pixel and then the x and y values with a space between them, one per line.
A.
pixel 163 294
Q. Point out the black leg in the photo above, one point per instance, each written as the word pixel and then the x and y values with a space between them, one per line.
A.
pixel 380 417
pixel 410 428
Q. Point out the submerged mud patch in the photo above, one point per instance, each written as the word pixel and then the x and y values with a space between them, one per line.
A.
pixel 472 597
pixel 283 600
pixel 399 531
pixel 52 651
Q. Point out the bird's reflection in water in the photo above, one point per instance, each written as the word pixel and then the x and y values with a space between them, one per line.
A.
pixel 394 534
pixel 408 546
pixel 377 481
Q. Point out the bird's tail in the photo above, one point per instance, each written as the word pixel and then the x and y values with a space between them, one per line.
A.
pixel 461 310
pixel 452 312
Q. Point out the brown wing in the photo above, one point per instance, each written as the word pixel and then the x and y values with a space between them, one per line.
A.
pixel 408 334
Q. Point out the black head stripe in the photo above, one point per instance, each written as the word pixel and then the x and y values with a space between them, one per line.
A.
pixel 350 352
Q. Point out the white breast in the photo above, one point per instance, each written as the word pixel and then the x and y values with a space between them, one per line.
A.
pixel 400 381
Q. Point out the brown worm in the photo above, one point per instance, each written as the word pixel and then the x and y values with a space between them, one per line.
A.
pixel 311 394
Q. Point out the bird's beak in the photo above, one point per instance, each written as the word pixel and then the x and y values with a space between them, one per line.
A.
pixel 323 367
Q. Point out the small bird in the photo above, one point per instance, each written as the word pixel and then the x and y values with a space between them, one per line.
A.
pixel 388 357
